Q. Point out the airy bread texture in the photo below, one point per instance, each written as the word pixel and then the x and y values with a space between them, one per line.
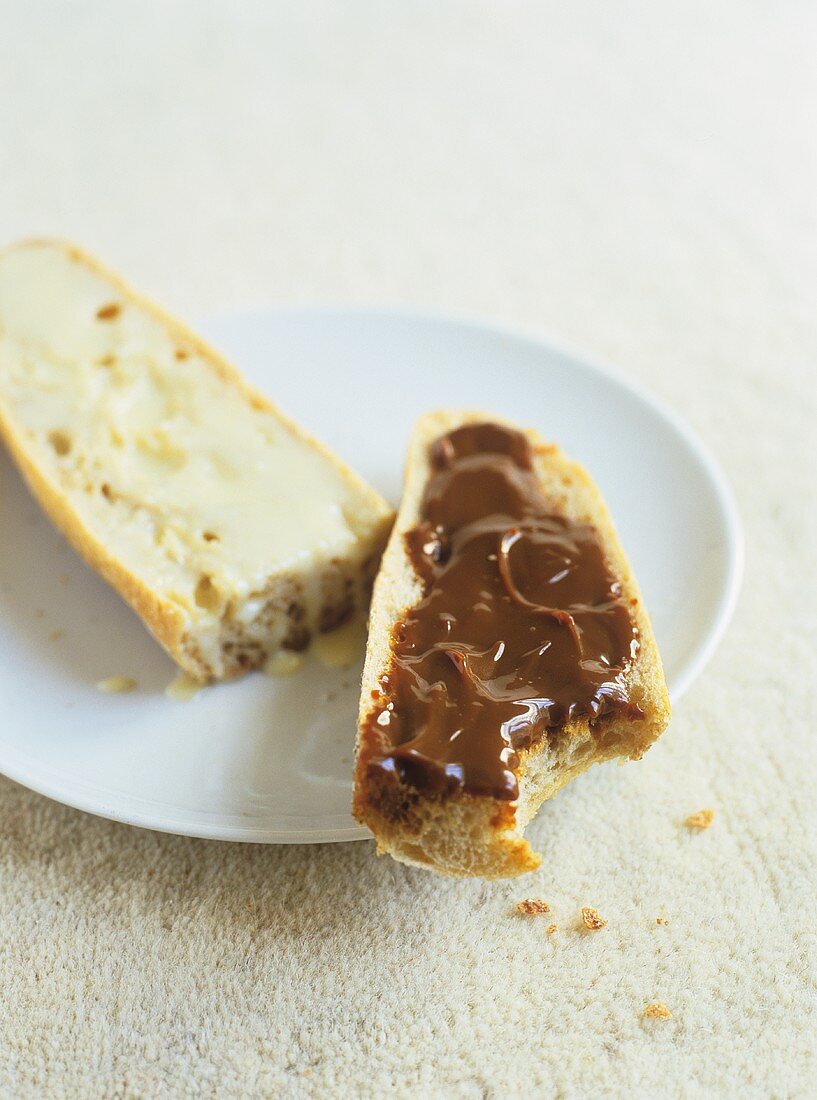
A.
pixel 230 531
pixel 465 834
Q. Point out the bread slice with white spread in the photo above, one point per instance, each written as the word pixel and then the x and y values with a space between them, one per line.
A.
pixel 229 530
pixel 457 747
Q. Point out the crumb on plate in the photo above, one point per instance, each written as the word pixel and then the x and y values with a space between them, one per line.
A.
pixel 114 685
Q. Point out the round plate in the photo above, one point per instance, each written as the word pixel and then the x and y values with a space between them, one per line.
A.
pixel 271 759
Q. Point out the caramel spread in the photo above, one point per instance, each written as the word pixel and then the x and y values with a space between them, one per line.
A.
pixel 521 627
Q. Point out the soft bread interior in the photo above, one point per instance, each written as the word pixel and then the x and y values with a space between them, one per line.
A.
pixel 161 459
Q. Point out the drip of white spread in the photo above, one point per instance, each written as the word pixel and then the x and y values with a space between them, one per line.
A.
pixel 283 663
pixel 183 688
pixel 339 649
pixel 342 647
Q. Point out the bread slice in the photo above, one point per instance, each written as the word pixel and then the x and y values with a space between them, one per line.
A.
pixel 229 530
pixel 463 833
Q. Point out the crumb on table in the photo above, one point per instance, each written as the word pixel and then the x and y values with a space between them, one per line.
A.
pixel 657 1011
pixel 551 928
pixel 532 906
pixel 700 820
pixel 592 919
pixel 661 920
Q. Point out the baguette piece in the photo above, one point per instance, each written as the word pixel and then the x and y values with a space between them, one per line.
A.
pixel 229 530
pixel 460 832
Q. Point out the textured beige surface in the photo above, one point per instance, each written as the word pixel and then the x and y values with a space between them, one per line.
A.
pixel 637 179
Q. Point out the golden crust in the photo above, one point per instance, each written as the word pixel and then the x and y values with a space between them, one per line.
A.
pixel 466 834
pixel 165 619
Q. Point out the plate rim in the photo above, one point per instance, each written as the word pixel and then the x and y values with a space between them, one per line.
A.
pixel 541 341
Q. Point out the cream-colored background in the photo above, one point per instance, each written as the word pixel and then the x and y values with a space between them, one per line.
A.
pixel 638 179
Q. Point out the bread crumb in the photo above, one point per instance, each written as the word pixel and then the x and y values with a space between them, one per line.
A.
pixel 592 918
pixel 108 312
pixel 114 685
pixel 55 635
pixel 532 906
pixel 657 1011
pixel 551 928
pixel 661 920
pixel 701 820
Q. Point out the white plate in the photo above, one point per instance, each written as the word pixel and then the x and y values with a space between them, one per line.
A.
pixel 271 760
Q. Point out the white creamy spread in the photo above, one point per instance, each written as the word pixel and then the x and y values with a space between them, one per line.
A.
pixel 198 493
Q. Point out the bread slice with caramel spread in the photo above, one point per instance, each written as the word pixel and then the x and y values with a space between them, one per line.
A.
pixel 227 528
pixel 509 649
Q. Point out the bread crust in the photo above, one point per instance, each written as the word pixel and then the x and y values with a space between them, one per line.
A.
pixel 466 834
pixel 166 620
